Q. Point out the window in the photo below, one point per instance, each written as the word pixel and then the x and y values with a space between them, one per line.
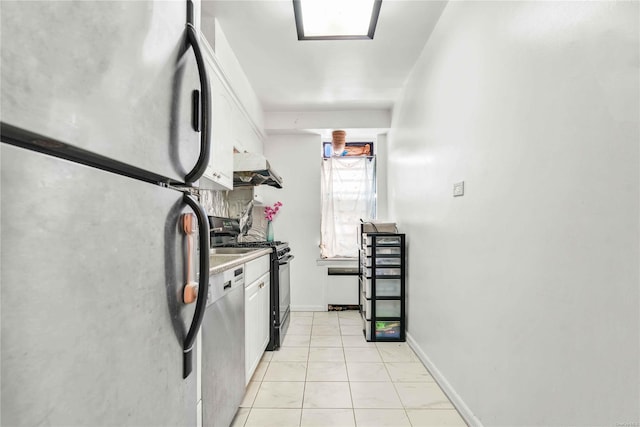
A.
pixel 351 149
pixel 348 195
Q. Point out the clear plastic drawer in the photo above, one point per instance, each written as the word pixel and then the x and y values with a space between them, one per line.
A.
pixel 384 308
pixel 366 307
pixel 381 239
pixel 382 261
pixel 387 308
pixel 383 329
pixel 384 250
pixel 388 261
pixel 382 272
pixel 384 287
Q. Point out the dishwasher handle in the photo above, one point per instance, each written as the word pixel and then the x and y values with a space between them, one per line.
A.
pixel 203 282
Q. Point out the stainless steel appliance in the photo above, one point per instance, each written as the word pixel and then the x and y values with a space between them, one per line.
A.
pixel 223 382
pixel 280 288
pixel 105 128
pixel 281 304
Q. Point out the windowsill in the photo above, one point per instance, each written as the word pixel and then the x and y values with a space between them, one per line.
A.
pixel 338 262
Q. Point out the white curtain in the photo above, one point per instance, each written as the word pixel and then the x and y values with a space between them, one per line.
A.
pixel 348 194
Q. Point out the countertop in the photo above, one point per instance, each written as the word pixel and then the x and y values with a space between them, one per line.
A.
pixel 219 263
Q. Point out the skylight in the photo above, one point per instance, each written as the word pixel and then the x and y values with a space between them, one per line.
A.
pixel 336 19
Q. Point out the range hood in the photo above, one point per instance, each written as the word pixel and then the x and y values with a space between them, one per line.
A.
pixel 250 169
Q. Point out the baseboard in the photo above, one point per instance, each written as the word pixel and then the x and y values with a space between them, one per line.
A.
pixel 308 308
pixel 454 397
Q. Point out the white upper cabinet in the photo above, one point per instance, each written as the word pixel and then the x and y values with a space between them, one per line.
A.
pixel 219 173
pixel 245 135
pixel 233 126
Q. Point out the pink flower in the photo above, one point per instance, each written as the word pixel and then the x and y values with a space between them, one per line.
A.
pixel 271 211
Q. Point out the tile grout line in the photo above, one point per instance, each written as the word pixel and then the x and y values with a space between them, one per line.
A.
pixel 404 408
pixel 353 409
pixel 248 415
pixel 306 375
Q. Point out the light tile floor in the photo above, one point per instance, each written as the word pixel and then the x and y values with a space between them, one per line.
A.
pixel 327 375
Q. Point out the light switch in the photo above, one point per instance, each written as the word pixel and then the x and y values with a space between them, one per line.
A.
pixel 458 189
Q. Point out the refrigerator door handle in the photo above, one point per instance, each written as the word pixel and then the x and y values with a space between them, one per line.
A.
pixel 203 282
pixel 205 122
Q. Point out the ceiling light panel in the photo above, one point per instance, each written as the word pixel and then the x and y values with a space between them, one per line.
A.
pixel 336 19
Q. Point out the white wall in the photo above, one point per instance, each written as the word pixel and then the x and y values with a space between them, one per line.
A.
pixel 523 293
pixel 297 159
pixel 359 120
pixel 381 179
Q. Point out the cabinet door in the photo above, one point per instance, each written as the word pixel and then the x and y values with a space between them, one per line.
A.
pixel 265 318
pixel 251 332
pixel 257 318
pixel 244 136
pixel 219 173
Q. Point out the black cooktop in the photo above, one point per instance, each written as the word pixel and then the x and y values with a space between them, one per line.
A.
pixel 259 244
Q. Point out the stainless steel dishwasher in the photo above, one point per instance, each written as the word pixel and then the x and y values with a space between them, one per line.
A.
pixel 222 375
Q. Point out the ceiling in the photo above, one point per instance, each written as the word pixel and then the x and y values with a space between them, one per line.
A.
pixel 292 75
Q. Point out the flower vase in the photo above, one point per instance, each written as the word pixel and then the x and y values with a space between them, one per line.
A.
pixel 269 232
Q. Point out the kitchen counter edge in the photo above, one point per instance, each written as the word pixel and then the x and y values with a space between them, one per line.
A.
pixel 257 253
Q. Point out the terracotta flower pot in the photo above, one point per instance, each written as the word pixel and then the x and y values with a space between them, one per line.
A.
pixel 338 141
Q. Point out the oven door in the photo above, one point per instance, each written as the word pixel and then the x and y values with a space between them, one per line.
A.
pixel 284 290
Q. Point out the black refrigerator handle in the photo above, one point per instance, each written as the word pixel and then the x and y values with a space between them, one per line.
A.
pixel 205 120
pixel 203 282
